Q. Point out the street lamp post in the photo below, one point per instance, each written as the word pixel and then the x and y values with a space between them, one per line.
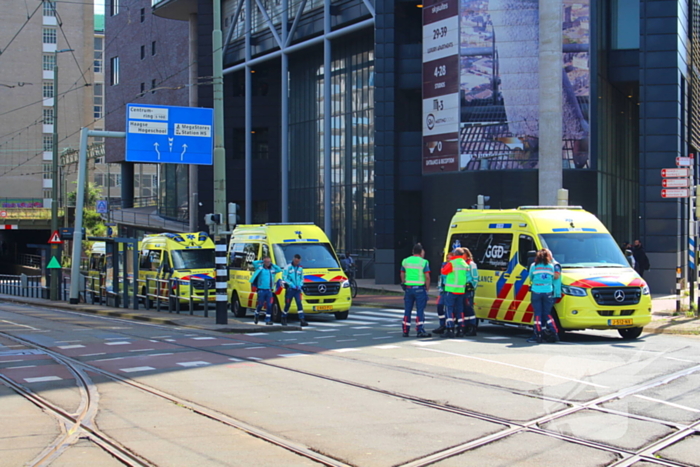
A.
pixel 53 291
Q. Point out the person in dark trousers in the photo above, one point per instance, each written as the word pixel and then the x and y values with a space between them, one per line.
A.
pixel 543 276
pixel 640 258
pixel 441 298
pixel 264 283
pixel 294 280
pixel 415 279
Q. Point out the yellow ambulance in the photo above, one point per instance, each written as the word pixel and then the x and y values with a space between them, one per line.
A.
pixel 599 288
pixel 326 288
pixel 183 256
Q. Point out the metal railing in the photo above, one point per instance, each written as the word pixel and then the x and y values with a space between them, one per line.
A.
pixel 30 286
pixel 170 291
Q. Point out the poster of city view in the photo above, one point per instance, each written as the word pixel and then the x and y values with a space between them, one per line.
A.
pixel 499 84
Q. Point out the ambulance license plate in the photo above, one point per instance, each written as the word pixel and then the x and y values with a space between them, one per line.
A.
pixel 323 307
pixel 620 322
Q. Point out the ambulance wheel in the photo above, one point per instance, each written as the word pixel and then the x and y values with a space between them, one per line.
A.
pixel 629 334
pixel 341 314
pixel 236 308
pixel 276 311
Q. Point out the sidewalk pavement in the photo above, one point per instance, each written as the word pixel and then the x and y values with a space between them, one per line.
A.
pixel 151 316
pixel 664 318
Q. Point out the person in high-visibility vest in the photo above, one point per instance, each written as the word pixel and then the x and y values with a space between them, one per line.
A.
pixel 543 276
pixel 455 285
pixel 470 321
pixel 415 281
pixel 441 299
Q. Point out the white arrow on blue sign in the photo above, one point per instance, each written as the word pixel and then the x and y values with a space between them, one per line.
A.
pixel 102 207
pixel 169 134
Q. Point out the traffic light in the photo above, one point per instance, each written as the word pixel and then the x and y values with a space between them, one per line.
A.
pixel 234 216
pixel 212 219
pixel 481 202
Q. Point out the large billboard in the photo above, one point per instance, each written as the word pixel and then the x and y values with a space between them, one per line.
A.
pixel 499 85
pixel 441 105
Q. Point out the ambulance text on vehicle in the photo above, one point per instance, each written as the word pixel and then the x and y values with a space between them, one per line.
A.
pixel 599 288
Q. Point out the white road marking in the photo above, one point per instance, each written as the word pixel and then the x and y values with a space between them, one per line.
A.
pixel 75 346
pixel 11 361
pixel 345 350
pixel 425 343
pixel 161 354
pixel 136 369
pixel 235 343
pixel 289 355
pixel 20 325
pixel 255 358
pixel 671 404
pixel 203 338
pixel 325 337
pixel 253 348
pixel 679 359
pixel 141 350
pixel 383 337
pixel 586 383
pixel 495 338
pixel 169 340
pixel 325 330
pixel 362 327
pixel 256 334
pixel 118 343
pixel 292 332
pixel 384 347
pixel 372 318
pixel 109 359
pixel 307 343
pixel 328 324
pixel 236 360
pixel 191 364
pixel 346 340
pixel 17 367
pixel 42 379
pixel 365 334
pixel 92 354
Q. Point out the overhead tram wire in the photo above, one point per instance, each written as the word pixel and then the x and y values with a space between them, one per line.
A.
pixel 29 18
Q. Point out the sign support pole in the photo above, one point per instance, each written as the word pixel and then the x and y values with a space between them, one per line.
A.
pixel 79 203
pixel 220 161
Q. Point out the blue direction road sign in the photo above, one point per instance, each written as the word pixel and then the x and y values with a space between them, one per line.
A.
pixel 169 134
pixel 102 207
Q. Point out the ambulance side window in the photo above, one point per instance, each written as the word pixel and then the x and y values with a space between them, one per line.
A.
pixel 145 260
pixel 265 251
pixel 154 256
pixel 236 256
pixel 525 244
pixel 250 252
pixel 491 251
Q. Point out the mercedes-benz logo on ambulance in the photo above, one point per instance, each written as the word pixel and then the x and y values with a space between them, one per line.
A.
pixel 619 295
pixel 321 289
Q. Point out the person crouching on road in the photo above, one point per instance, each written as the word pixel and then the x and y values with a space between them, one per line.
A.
pixel 470 322
pixel 293 280
pixel 455 284
pixel 415 280
pixel 264 283
pixel 441 298
pixel 543 276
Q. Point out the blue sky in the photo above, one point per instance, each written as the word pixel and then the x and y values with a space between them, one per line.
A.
pixel 99 6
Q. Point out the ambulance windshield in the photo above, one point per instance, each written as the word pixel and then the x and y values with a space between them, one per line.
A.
pixel 193 259
pixel 313 255
pixel 584 250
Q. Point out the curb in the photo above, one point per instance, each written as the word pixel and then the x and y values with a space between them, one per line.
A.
pixel 92 309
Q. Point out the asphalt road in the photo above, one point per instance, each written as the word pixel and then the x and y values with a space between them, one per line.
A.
pixel 87 390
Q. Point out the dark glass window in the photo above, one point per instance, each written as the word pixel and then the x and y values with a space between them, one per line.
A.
pixel 143 52
pixel 491 251
pixel 624 26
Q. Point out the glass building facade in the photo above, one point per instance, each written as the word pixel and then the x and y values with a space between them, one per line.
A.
pixel 352 150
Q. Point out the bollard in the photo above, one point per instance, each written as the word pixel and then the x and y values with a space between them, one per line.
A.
pixel 221 282
pixel 678 290
pixel 206 298
pixel 177 296
pixel 191 297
